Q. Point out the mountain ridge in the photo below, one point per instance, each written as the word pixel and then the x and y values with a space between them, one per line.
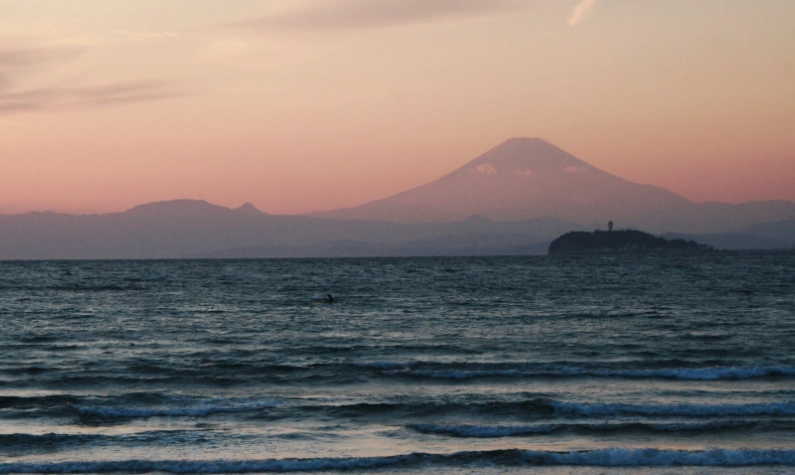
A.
pixel 179 228
pixel 509 199
pixel 525 178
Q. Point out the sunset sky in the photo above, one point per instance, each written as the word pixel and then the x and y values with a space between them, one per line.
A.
pixel 306 105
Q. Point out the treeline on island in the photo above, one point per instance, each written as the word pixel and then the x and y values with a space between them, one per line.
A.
pixel 618 241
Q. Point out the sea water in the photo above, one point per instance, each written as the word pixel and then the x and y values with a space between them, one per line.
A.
pixel 621 363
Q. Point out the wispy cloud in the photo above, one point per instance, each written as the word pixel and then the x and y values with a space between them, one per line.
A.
pixel 142 35
pixel 14 57
pixel 19 65
pixel 581 11
pixel 62 98
pixel 359 14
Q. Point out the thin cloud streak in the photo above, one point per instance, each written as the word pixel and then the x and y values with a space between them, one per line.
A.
pixel 54 99
pixel 581 11
pixel 15 58
pixel 361 14
pixel 18 63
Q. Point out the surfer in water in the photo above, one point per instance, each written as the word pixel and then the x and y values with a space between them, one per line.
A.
pixel 328 299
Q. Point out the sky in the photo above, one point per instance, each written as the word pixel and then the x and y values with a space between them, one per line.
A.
pixel 309 105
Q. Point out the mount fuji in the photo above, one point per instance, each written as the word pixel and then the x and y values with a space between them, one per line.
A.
pixel 527 178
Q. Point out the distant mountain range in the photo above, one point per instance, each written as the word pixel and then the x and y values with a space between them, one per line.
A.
pixel 190 228
pixel 775 235
pixel 513 199
pixel 525 178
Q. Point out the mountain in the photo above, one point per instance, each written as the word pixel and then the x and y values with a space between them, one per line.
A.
pixel 771 235
pixel 513 199
pixel 469 244
pixel 734 241
pixel 192 228
pixel 525 178
pixel 780 230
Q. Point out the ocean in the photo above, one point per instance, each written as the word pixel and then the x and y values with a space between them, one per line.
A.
pixel 623 363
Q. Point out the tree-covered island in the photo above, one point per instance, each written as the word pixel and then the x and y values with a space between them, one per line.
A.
pixel 618 241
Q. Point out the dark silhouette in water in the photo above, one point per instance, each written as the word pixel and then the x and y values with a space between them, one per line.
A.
pixel 328 299
pixel 618 241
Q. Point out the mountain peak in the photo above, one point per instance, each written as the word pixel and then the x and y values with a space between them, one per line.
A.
pixel 176 206
pixel 525 178
pixel 248 208
pixel 524 156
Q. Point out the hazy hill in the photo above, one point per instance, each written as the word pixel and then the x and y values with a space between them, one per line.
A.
pixel 469 244
pixel 182 228
pixel 526 178
pixel 773 235
pixel 733 241
pixel 780 230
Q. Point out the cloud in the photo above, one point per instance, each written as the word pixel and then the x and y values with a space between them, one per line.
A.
pixel 17 61
pixel 61 98
pixel 20 65
pixel 142 35
pixel 15 57
pixel 581 11
pixel 359 14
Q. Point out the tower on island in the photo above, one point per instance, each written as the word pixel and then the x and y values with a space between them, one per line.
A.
pixel 610 225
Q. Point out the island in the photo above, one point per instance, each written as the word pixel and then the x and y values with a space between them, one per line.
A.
pixel 628 240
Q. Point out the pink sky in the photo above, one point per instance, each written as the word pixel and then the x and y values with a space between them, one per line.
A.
pixel 297 106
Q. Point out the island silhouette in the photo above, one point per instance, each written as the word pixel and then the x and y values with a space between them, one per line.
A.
pixel 627 240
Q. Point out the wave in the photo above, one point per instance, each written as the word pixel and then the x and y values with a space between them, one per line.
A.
pixel 143 405
pixel 195 410
pixel 693 410
pixel 550 408
pixel 476 431
pixel 495 431
pixel 383 365
pixel 32 440
pixel 699 374
pixel 233 371
pixel 28 402
pixel 24 443
pixel 525 404
pixel 611 457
